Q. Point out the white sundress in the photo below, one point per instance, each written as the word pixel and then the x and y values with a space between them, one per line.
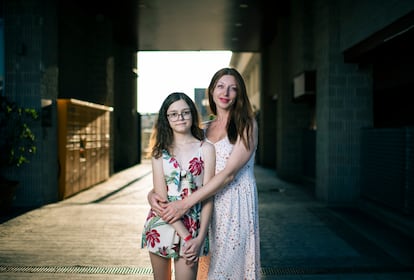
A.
pixel 234 230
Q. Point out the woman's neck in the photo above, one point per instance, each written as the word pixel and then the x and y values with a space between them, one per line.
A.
pixel 222 116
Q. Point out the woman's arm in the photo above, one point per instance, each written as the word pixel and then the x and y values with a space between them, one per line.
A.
pixel 156 202
pixel 238 158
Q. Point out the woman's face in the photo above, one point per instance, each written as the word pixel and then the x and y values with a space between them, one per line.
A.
pixel 225 92
pixel 179 116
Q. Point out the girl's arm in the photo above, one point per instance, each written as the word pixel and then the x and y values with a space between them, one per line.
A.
pixel 238 158
pixel 193 247
pixel 209 154
pixel 160 188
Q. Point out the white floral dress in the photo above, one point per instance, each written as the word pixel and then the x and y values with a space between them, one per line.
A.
pixel 234 231
pixel 160 237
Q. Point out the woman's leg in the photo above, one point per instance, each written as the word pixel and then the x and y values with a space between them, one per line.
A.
pixel 161 267
pixel 203 264
pixel 184 271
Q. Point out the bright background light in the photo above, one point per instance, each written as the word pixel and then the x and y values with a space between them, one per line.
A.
pixel 161 73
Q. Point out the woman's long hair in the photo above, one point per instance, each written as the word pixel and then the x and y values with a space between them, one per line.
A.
pixel 162 137
pixel 240 123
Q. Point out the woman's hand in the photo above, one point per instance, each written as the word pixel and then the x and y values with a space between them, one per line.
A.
pixel 170 212
pixel 173 211
pixel 156 202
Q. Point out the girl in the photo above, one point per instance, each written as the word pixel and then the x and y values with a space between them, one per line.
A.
pixel 181 162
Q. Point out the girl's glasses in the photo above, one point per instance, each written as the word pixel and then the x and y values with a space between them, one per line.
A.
pixel 186 115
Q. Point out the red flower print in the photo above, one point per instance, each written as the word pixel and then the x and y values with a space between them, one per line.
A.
pixel 184 193
pixel 195 188
pixel 152 237
pixel 163 251
pixel 196 166
pixel 190 224
pixel 174 162
pixel 175 247
pixel 151 214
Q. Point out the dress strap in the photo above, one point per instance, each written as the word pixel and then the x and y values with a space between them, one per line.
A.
pixel 200 148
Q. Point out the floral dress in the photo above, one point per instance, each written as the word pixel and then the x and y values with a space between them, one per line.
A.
pixel 160 237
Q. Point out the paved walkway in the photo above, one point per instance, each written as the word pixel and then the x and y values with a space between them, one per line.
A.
pixel 96 235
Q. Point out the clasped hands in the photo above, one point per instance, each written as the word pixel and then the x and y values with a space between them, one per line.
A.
pixel 171 212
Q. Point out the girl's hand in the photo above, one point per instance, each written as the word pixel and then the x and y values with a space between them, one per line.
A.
pixel 192 251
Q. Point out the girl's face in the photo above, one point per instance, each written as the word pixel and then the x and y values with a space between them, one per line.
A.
pixel 225 92
pixel 179 116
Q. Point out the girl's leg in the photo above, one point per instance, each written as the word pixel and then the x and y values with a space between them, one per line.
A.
pixel 161 267
pixel 184 271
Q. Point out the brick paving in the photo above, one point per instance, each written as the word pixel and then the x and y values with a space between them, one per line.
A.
pixel 96 235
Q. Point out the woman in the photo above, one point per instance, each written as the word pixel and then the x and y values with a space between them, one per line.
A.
pixel 234 229
pixel 182 162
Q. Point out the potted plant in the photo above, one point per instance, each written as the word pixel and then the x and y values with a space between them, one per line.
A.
pixel 17 144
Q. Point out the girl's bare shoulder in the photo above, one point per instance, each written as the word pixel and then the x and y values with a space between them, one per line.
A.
pixel 208 147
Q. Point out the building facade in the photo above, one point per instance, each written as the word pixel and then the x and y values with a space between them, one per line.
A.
pixel 330 88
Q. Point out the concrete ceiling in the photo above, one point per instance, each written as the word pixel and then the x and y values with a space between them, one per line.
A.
pixel 181 25
pixel 199 25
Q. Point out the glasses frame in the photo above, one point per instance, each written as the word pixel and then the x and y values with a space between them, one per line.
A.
pixel 175 116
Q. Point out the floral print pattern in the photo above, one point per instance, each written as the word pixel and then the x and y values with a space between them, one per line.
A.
pixel 196 166
pixel 158 236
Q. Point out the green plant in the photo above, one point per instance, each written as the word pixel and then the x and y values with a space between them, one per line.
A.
pixel 17 140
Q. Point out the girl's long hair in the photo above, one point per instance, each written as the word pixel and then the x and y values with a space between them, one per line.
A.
pixel 162 137
pixel 240 122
